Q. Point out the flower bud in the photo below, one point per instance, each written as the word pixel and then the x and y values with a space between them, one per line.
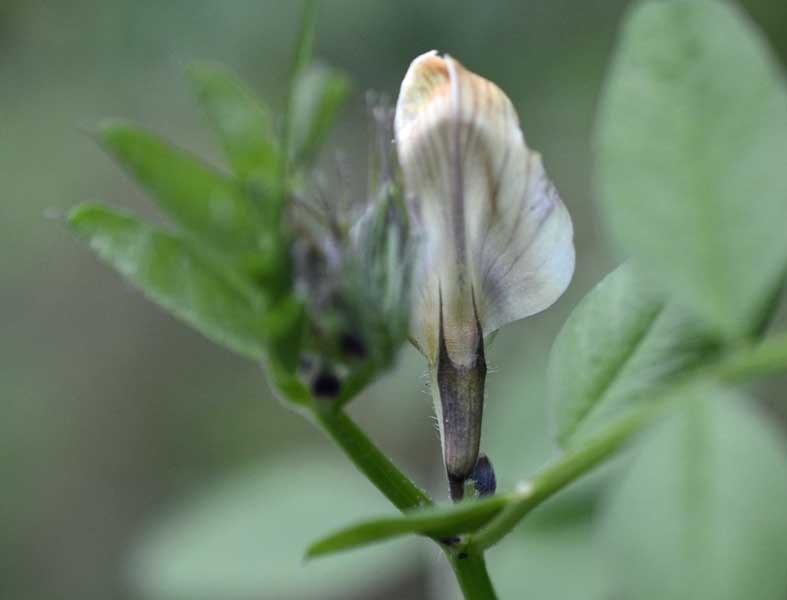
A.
pixel 495 240
pixel 352 265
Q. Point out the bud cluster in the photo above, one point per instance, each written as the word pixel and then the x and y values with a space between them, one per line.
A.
pixel 352 272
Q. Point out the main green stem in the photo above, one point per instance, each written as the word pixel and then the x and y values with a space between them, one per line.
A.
pixel 370 461
pixel 469 567
pixel 470 570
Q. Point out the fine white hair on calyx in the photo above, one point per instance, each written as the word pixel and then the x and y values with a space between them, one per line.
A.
pixel 434 417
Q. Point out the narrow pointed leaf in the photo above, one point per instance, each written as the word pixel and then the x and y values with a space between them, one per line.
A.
pixel 304 46
pixel 437 522
pixel 318 95
pixel 691 147
pixel 244 126
pixel 202 201
pixel 620 342
pixel 701 513
pixel 173 274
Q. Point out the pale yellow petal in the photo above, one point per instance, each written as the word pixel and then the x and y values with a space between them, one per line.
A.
pixel 496 237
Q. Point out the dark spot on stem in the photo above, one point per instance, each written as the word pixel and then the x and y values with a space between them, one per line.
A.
pixel 326 385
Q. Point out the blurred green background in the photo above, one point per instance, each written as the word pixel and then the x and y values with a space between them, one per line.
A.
pixel 113 415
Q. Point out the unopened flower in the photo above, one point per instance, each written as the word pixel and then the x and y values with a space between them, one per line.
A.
pixel 495 238
pixel 352 266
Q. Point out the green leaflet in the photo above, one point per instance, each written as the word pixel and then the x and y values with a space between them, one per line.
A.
pixel 319 92
pixel 202 201
pixel 171 272
pixel 244 126
pixel 691 142
pixel 620 342
pixel 700 514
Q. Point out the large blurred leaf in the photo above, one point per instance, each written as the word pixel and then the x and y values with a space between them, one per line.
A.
pixel 244 538
pixel 438 522
pixel 556 540
pixel 318 94
pixel 619 342
pixel 243 124
pixel 692 143
pixel 201 200
pixel 701 514
pixel 171 272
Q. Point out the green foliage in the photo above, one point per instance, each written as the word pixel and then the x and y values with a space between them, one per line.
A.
pixel 435 522
pixel 201 201
pixel 701 512
pixel 245 128
pixel 241 227
pixel 691 132
pixel 319 93
pixel 217 543
pixel 620 343
pixel 692 136
pixel 174 273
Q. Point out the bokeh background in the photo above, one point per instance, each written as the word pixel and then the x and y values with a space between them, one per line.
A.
pixel 138 460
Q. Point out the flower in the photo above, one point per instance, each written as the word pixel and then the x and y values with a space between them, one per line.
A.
pixel 495 240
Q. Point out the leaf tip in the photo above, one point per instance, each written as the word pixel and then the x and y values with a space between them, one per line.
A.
pixel 313 551
pixel 111 130
pixel 78 213
pixel 79 218
pixel 202 72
